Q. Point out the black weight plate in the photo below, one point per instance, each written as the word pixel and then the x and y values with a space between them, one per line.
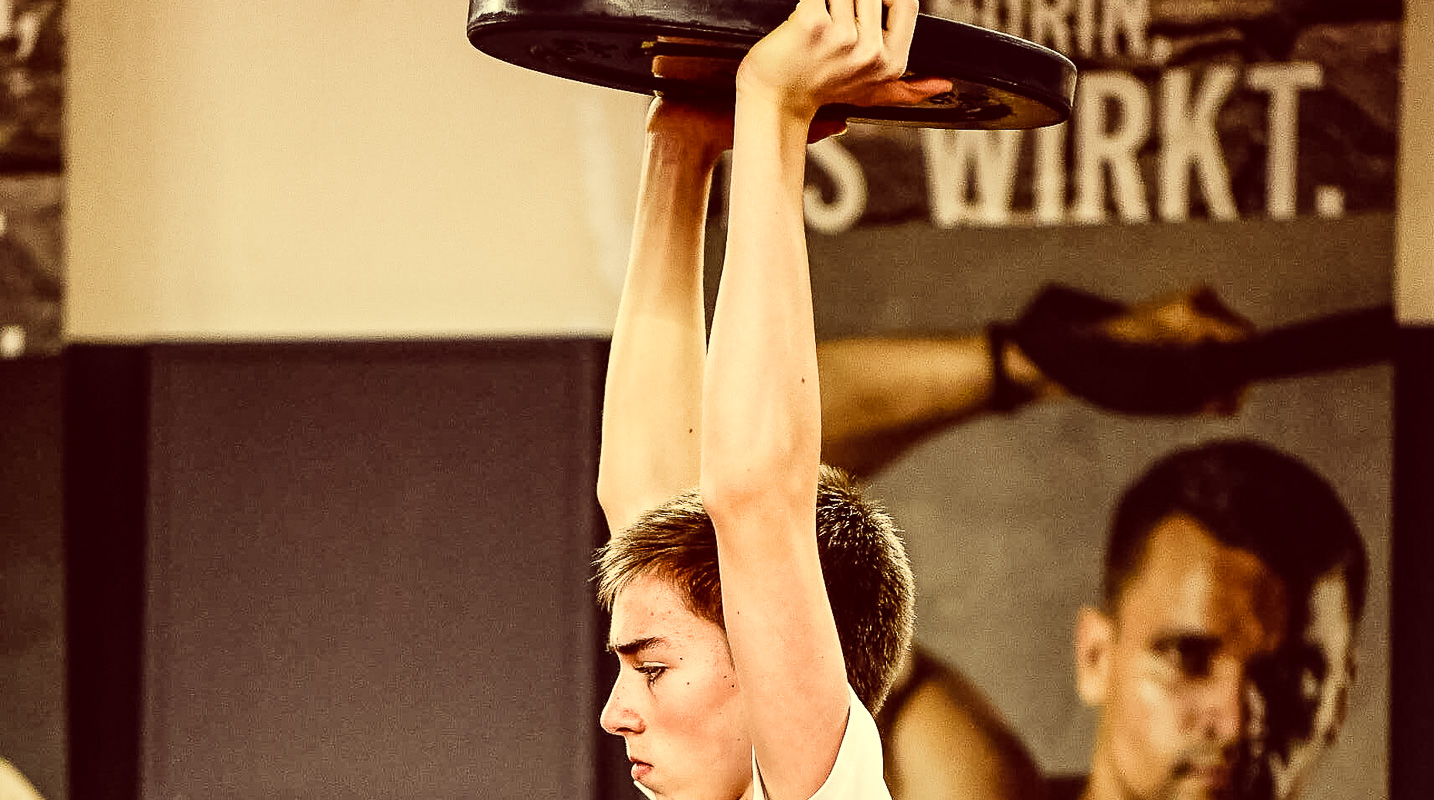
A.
pixel 1001 81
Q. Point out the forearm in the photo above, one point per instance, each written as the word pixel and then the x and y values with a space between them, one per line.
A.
pixel 761 401
pixel 882 396
pixel 651 425
pixel 760 453
pixel 762 405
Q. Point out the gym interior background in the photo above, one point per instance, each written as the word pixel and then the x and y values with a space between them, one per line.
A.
pixel 320 452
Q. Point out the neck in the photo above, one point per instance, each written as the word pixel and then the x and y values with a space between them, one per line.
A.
pixel 1103 783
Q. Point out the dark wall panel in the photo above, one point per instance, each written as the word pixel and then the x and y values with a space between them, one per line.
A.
pixel 106 487
pixel 366 571
pixel 32 654
pixel 1412 699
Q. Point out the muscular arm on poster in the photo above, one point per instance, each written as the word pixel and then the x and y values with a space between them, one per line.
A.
pixel 944 740
pixel 883 396
pixel 879 398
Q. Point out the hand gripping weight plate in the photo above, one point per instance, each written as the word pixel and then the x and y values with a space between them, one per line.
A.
pixel 1001 81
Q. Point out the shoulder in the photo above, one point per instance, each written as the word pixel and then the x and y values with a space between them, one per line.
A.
pixel 947 737
pixel 857 774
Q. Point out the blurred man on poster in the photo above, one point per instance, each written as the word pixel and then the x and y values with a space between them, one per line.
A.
pixel 1221 656
pixel 1287 640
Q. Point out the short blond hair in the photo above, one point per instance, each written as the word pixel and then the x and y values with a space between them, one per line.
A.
pixel 864 565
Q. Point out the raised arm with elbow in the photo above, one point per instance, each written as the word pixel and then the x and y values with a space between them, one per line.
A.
pixel 652 415
pixel 761 437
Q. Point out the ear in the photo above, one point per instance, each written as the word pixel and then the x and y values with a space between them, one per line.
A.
pixel 1094 638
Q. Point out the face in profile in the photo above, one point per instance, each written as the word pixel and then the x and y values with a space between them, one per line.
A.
pixel 1174 669
pixel 676 701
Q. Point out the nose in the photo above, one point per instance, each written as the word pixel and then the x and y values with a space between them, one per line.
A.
pixel 618 716
pixel 1230 703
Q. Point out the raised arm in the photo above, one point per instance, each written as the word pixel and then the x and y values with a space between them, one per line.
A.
pixel 761 407
pixel 881 396
pixel 651 424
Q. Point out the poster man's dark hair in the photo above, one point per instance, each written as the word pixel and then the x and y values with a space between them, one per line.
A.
pixel 1246 495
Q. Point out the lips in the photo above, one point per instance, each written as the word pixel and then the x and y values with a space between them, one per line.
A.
pixel 1216 774
pixel 639 768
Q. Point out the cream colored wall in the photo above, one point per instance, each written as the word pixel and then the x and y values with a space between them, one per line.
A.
pixel 307 168
pixel 1414 288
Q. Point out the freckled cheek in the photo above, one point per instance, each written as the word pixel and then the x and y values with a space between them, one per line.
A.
pixel 711 733
pixel 726 713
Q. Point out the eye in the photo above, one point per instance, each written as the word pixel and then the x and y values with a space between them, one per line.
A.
pixel 1305 668
pixel 1316 668
pixel 651 671
pixel 1290 684
pixel 1193 658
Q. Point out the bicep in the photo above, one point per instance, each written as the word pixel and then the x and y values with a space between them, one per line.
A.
pixel 945 743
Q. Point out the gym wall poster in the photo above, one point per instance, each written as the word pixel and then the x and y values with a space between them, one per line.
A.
pixel 31 185
pixel 32 639
pixel 1242 151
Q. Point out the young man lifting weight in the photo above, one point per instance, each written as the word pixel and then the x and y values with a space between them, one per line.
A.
pixel 741 675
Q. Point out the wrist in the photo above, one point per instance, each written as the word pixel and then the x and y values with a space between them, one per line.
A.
pixel 670 153
pixel 764 120
pixel 782 101
pixel 1015 379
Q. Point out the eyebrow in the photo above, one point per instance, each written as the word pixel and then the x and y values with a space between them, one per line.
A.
pixel 636 645
pixel 1187 638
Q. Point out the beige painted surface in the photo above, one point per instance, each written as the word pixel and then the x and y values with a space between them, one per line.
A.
pixel 305 168
pixel 1414 287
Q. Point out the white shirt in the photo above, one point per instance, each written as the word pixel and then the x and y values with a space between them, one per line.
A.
pixel 858 771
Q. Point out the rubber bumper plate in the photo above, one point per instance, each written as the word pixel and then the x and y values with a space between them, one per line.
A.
pixel 690 49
